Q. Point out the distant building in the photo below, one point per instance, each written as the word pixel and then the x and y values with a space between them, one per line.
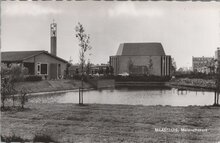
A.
pixel 47 65
pixel 203 64
pixel 217 58
pixel 91 70
pixel 100 69
pixel 141 59
pixel 74 70
pixel 217 54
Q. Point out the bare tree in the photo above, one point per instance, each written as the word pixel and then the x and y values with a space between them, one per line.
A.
pixel 84 43
pixel 5 91
pixel 23 97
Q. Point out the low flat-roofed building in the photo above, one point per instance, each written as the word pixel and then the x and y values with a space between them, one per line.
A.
pixel 41 63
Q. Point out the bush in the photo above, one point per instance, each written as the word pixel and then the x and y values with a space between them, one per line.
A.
pixel 143 78
pixel 79 77
pixel 12 138
pixel 195 75
pixel 37 138
pixel 42 138
pixel 14 72
pixel 33 78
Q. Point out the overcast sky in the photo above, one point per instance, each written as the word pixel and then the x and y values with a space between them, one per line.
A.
pixel 185 29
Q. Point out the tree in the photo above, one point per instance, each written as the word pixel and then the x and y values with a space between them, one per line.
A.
pixel 5 90
pixel 84 43
pixel 10 75
pixel 173 66
pixel 23 98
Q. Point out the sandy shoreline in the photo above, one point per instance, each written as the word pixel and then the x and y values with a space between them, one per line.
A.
pixel 114 123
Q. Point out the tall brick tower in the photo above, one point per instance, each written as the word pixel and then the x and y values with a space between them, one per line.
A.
pixel 53 38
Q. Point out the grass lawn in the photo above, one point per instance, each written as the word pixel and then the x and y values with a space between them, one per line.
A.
pixel 113 123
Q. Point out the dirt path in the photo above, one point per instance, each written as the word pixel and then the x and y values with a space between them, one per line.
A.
pixel 114 123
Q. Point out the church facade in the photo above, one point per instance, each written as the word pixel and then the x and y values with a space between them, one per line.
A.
pixel 141 59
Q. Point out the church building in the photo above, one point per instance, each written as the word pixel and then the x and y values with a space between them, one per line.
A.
pixel 42 63
pixel 141 59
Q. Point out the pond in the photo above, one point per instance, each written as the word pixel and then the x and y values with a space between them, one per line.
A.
pixel 131 96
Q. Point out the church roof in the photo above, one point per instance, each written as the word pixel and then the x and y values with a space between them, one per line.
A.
pixel 140 49
pixel 19 56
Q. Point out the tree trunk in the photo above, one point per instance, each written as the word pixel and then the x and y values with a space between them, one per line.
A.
pixel 81 95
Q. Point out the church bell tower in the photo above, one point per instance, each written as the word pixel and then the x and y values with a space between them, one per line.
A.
pixel 53 38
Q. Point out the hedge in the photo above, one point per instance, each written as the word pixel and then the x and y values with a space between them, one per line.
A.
pixel 143 78
pixel 33 78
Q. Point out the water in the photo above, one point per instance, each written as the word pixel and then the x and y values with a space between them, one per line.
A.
pixel 131 97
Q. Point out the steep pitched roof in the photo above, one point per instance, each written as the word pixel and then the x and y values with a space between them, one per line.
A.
pixel 141 49
pixel 19 56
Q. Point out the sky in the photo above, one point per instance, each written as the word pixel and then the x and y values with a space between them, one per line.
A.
pixel 185 29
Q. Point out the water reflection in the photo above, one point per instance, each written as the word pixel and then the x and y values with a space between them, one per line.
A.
pixel 131 96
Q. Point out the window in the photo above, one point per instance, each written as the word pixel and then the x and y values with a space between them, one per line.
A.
pixel 43 69
pixel 38 68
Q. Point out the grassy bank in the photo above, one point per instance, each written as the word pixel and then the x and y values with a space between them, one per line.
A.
pixel 60 85
pixel 50 85
pixel 113 123
pixel 199 84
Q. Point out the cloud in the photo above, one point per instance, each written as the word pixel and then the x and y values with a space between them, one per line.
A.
pixel 130 9
pixel 27 9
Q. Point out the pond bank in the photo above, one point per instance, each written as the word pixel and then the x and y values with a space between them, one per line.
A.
pixel 114 123
pixel 193 84
pixel 50 86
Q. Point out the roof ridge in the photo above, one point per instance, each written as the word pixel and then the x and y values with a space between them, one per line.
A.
pixel 153 48
pixel 26 51
pixel 23 55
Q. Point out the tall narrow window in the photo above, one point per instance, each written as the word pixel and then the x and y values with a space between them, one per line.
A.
pixel 38 68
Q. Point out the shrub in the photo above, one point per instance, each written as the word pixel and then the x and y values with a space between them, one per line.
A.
pixel 143 78
pixel 79 77
pixel 23 97
pixel 18 72
pixel 42 138
pixel 12 138
pixel 7 89
pixel 33 78
pixel 196 75
pixel 14 72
